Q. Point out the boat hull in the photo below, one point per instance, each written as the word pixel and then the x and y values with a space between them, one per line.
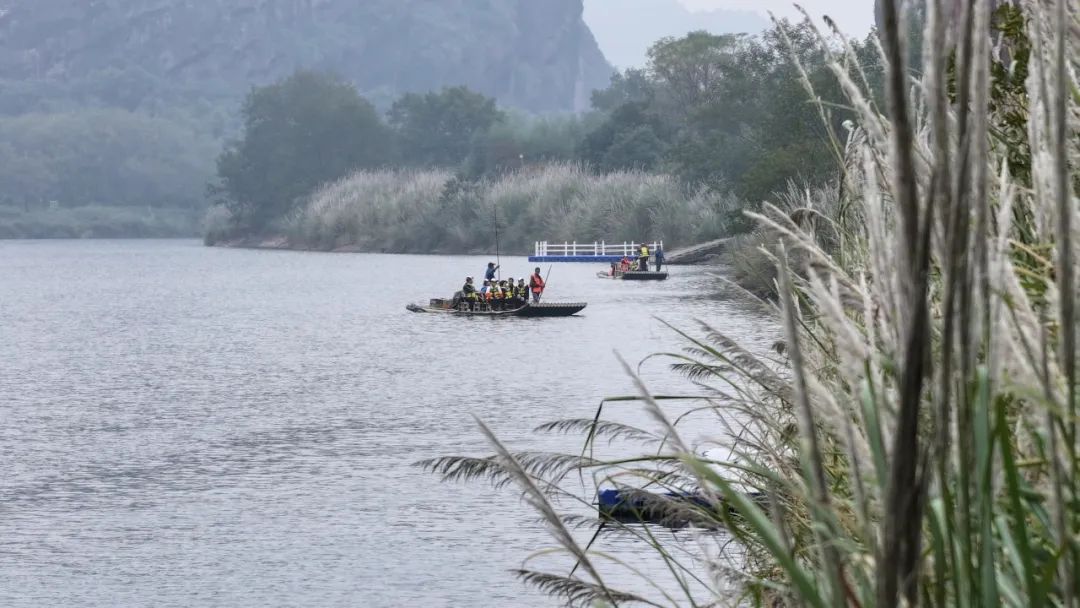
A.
pixel 635 275
pixel 553 309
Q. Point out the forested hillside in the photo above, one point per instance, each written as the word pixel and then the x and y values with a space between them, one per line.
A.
pixel 126 103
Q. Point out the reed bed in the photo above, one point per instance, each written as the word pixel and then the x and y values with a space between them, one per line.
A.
pixel 434 211
pixel 915 441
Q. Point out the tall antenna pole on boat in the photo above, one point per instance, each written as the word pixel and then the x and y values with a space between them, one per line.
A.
pixel 498 260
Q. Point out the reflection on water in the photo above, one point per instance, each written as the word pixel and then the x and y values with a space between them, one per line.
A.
pixel 185 426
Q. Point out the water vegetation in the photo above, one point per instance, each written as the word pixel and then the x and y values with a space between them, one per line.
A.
pixel 433 210
pixel 916 436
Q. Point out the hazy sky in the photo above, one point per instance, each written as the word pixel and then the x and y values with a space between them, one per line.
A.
pixel 855 17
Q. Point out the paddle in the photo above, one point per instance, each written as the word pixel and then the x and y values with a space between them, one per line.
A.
pixel 546 281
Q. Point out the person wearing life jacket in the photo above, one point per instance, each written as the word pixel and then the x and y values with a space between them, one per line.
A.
pixel 508 294
pixel 522 292
pixel 500 295
pixel 468 290
pixel 624 264
pixel 485 292
pixel 643 258
pixel 467 294
pixel 536 285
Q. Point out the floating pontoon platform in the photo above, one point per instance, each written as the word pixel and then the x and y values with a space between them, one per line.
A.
pixel 597 252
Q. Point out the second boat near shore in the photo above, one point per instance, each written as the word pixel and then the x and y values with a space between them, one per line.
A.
pixel 634 275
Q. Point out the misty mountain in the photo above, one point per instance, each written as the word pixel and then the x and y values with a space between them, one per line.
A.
pixel 626 28
pixel 141 54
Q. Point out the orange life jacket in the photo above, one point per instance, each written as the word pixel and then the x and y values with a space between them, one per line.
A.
pixel 537 283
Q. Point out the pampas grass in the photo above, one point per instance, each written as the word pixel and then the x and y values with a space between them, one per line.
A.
pixel 434 211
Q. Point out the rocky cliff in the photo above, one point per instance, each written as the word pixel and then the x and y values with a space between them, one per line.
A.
pixel 533 54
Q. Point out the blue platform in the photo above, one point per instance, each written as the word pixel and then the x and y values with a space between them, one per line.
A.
pixel 589 259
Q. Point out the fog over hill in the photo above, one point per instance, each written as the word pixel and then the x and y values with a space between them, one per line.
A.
pixel 626 28
pixel 534 55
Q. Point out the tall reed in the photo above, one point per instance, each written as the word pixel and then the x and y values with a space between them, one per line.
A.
pixel 433 211
pixel 918 442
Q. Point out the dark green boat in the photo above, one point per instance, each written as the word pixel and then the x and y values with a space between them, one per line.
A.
pixel 543 309
pixel 634 275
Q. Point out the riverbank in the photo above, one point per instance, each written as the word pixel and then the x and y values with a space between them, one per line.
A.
pixel 97 222
pixel 436 212
pixel 283 243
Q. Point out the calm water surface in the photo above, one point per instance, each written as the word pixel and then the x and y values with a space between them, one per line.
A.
pixel 186 426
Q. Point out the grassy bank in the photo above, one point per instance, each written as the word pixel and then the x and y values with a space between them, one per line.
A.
pixel 916 440
pixel 96 222
pixel 434 212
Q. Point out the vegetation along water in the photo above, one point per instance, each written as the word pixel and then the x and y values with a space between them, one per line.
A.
pixel 871 399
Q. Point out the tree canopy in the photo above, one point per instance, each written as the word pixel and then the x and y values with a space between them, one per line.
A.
pixel 727 112
pixel 299 133
pixel 437 129
pixel 102 157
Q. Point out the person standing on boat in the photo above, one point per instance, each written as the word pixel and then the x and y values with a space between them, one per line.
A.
pixel 659 257
pixel 643 259
pixel 536 284
pixel 468 293
pixel 489 275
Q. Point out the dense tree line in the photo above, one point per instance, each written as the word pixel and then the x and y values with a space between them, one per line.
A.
pixel 728 113
pixel 102 157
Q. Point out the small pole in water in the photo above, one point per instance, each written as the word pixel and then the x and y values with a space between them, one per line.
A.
pixel 599 529
pixel 498 261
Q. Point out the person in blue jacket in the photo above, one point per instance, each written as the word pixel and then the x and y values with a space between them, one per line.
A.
pixel 489 275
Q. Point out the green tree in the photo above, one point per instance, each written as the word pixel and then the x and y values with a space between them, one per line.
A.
pixel 439 129
pixel 692 69
pixel 300 133
pixel 632 137
pixel 520 140
pixel 102 157
pixel 729 112
pixel 631 86
pixel 637 148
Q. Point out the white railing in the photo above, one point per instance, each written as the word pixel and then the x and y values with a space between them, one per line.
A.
pixel 596 248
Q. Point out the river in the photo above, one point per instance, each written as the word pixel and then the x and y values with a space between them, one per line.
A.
pixel 192 426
